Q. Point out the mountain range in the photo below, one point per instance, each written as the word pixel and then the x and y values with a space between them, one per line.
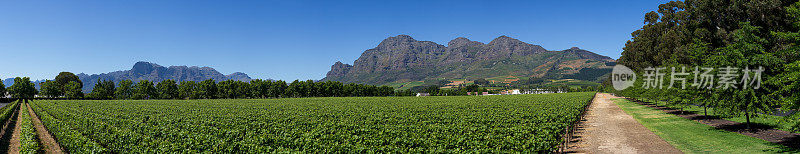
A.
pixel 155 73
pixel 402 58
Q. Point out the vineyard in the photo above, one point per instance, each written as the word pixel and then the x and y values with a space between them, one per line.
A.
pixel 534 123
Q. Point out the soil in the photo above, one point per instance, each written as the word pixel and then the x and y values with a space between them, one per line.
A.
pixel 788 139
pixel 608 129
pixel 7 132
pixel 14 144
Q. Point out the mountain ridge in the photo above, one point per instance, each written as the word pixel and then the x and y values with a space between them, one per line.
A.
pixel 153 72
pixel 402 58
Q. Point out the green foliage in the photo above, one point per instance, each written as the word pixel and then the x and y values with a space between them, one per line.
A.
pixel 29 142
pixel 104 90
pixel 144 90
pixel 208 89
pixel 8 110
pixel 433 90
pixel 50 89
pixel 2 90
pixel 70 139
pixel 22 88
pixel 73 90
pixel 167 89
pixel 64 78
pixel 188 90
pixel 517 123
pixel 709 33
pixel 124 90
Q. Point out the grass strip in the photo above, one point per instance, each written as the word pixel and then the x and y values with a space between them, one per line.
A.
pixel 694 137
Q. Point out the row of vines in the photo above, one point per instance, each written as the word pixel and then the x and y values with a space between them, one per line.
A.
pixel 533 123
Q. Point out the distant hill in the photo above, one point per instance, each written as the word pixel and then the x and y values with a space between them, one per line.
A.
pixel 154 72
pixel 402 58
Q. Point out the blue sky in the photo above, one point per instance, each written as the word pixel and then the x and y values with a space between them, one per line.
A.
pixel 284 39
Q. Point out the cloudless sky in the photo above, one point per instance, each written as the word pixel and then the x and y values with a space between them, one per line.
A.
pixel 284 39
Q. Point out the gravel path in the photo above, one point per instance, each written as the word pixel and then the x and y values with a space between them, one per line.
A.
pixel 608 129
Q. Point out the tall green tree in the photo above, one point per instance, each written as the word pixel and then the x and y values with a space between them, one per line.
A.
pixel 125 89
pixel 2 90
pixel 63 78
pixel 167 89
pixel 679 23
pixel 278 89
pixel 188 90
pixel 73 90
pixel 260 88
pixel 50 89
pixel 748 50
pixel 103 90
pixel 22 88
pixel 295 89
pixel 144 90
pixel 243 89
pixel 226 89
pixel 789 77
pixel 208 89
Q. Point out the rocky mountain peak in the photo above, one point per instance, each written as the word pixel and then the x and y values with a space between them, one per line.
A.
pixel 339 69
pixel 144 67
pixel 461 41
pixel 398 40
pixel 505 40
pixel 238 76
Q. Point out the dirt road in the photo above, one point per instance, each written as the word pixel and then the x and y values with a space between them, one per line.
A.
pixel 607 129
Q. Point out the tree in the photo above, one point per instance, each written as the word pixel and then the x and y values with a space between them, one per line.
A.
pixel 678 23
pixel 789 76
pixel 432 90
pixel 50 89
pixel 278 89
pixel 73 90
pixel 260 88
pixel 22 88
pixel 188 90
pixel 226 89
pixel 294 89
pixel 103 90
pixel 63 78
pixel 242 89
pixel 385 91
pixel 144 90
pixel 167 89
pixel 208 89
pixel 2 90
pixel 125 89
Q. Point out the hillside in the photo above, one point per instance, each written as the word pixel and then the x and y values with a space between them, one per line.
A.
pixel 402 59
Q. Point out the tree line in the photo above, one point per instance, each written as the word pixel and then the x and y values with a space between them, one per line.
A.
pixel 719 34
pixel 67 85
